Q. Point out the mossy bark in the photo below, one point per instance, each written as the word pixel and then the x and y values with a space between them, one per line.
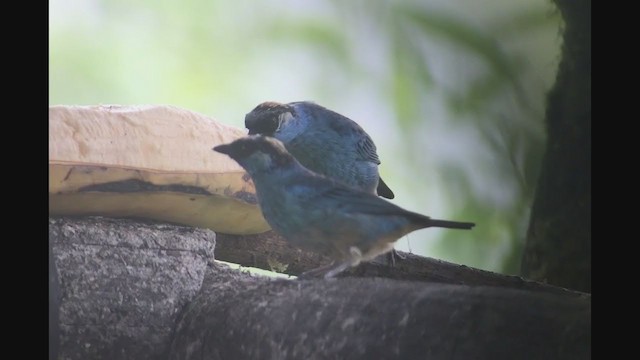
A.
pixel 558 245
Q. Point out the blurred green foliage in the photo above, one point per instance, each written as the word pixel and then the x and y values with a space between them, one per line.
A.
pixel 452 92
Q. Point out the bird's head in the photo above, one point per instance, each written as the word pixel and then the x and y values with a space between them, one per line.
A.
pixel 257 153
pixel 268 117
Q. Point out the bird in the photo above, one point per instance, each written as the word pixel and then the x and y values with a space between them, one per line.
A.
pixel 322 214
pixel 323 141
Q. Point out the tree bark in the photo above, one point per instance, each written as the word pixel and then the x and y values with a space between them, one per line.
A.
pixel 141 290
pixel 355 318
pixel 123 284
pixel 54 307
pixel 270 251
pixel 558 245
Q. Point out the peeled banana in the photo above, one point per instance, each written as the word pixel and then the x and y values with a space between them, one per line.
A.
pixel 152 162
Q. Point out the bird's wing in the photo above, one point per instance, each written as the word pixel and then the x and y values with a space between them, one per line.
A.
pixel 357 202
pixel 367 149
pixel 328 194
pixel 347 128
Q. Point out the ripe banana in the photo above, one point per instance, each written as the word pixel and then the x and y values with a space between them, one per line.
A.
pixel 150 162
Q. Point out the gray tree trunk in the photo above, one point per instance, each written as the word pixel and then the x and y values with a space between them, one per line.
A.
pixel 138 290
pixel 123 284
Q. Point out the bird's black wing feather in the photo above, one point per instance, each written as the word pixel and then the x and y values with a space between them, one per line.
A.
pixel 367 149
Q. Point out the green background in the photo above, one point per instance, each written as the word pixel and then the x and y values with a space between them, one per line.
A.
pixel 452 92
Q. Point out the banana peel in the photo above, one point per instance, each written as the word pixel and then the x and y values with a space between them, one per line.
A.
pixel 151 162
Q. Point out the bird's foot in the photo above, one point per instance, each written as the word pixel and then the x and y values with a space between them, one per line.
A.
pixel 327 271
pixel 392 255
pixel 317 272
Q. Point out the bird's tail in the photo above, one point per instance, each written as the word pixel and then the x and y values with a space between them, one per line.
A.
pixel 450 224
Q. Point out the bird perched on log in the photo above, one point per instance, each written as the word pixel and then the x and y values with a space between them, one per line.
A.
pixel 323 141
pixel 321 214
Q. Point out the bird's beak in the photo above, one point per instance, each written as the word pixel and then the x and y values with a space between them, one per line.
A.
pixel 225 148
